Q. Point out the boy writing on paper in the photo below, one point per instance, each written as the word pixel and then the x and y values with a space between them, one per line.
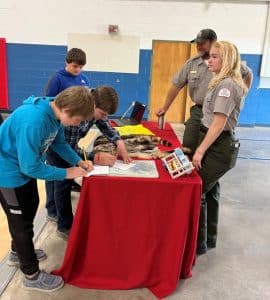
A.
pixel 25 137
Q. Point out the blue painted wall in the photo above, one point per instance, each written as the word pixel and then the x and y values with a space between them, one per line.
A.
pixel 257 106
pixel 30 67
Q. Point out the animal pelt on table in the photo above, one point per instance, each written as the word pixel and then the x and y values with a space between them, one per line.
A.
pixel 139 146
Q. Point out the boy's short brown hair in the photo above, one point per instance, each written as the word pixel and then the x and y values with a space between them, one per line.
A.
pixel 78 100
pixel 76 55
pixel 106 99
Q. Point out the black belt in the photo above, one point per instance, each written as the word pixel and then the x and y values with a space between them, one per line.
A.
pixel 225 132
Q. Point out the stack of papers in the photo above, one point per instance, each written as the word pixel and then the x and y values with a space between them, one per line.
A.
pixel 140 168
pixel 105 170
pixel 99 170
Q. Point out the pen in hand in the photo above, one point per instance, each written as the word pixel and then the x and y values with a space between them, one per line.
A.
pixel 84 154
pixel 85 164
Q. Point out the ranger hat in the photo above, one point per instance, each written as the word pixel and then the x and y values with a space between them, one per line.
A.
pixel 205 35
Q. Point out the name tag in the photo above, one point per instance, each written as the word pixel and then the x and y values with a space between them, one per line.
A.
pixel 193 72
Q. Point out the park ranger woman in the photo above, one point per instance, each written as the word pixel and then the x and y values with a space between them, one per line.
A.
pixel 215 154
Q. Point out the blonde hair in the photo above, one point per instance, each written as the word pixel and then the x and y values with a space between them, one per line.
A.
pixel 78 100
pixel 231 64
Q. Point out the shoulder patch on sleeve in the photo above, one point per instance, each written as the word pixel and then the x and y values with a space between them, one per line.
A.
pixel 224 92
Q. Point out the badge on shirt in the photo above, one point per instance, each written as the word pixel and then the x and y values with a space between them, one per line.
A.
pixel 224 93
pixel 193 72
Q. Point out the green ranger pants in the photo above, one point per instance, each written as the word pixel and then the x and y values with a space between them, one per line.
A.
pixel 192 130
pixel 216 162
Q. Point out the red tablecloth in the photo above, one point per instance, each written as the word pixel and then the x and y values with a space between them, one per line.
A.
pixel 134 232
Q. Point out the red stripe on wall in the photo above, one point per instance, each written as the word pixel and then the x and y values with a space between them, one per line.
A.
pixel 3 75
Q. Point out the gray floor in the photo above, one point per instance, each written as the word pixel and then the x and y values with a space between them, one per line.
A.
pixel 237 269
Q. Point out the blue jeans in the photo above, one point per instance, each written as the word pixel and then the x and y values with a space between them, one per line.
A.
pixel 58 201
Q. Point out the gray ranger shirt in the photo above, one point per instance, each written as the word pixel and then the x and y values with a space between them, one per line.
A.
pixel 226 98
pixel 196 75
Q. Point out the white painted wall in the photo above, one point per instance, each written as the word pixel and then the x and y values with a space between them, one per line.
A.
pixel 108 53
pixel 48 22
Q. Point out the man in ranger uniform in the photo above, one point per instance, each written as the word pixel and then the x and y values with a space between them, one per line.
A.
pixel 196 75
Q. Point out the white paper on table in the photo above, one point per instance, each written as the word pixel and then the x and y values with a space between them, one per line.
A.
pixel 99 170
pixel 140 168
pixel 119 164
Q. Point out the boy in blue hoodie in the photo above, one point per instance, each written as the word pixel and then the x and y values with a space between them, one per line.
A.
pixel 25 137
pixel 70 75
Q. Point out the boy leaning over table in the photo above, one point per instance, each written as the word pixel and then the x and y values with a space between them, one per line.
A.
pixel 25 137
pixel 58 202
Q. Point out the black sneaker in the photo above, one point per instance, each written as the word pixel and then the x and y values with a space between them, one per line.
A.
pixel 201 251
pixel 211 244
pixel 52 218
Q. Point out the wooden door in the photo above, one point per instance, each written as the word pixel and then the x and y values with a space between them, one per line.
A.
pixel 167 59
